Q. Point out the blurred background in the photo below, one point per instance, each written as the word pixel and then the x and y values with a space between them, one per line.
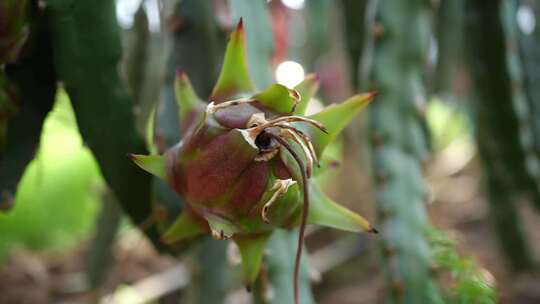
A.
pixel 444 162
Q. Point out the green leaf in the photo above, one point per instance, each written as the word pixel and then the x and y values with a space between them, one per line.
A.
pixel 278 98
pixel 153 164
pixel 335 118
pixel 324 211
pixel 234 79
pixel 251 250
pixel 307 89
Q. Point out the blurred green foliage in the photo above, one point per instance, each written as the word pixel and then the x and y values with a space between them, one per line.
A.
pixel 470 285
pixel 57 198
pixel 447 123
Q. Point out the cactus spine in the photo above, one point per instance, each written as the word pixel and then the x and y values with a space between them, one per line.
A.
pixel 498 94
pixel 399 147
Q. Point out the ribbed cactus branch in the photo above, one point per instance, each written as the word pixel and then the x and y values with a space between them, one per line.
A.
pixel 280 263
pixel 100 254
pixel 212 280
pixel 530 179
pixel 259 34
pixel 33 78
pixel 319 22
pixel 399 148
pixel 355 13
pixel 142 67
pixel 449 34
pixel 529 49
pixel 495 73
pixel 87 51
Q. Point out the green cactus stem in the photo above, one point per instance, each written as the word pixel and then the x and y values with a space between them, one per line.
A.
pixel 14 28
pixel 529 53
pixel 401 35
pixel 449 34
pixel 499 143
pixel 87 51
pixel 259 34
pixel 515 66
pixel 101 251
pixel 355 14
pixel 33 81
pixel 142 67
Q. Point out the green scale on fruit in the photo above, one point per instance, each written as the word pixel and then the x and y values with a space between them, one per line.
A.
pixel 246 159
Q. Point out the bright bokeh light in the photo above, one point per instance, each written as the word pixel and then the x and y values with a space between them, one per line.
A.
pixel 525 19
pixel 293 4
pixel 289 73
pixel 126 9
pixel 152 11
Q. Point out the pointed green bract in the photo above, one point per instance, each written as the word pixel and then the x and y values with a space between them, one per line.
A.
pixel 185 226
pixel 150 131
pixel 307 89
pixel 153 164
pixel 278 98
pixel 325 212
pixel 221 228
pixel 251 250
pixel 186 98
pixel 234 78
pixel 335 118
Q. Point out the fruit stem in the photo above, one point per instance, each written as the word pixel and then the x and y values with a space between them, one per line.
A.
pixel 305 213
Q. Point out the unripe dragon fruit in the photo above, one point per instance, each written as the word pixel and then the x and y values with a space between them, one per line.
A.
pixel 246 158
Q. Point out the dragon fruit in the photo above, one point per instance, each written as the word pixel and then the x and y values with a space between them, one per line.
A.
pixel 245 163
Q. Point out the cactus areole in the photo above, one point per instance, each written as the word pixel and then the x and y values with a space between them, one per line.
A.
pixel 246 158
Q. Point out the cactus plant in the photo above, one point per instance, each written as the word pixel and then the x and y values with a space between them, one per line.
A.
pixel 529 53
pixel 14 28
pixel 245 163
pixel 87 50
pixel 530 176
pixel 399 147
pixel 31 88
pixel 499 143
pixel 355 13
pixel 449 32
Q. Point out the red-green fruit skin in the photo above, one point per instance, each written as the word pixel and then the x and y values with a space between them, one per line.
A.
pixel 215 169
